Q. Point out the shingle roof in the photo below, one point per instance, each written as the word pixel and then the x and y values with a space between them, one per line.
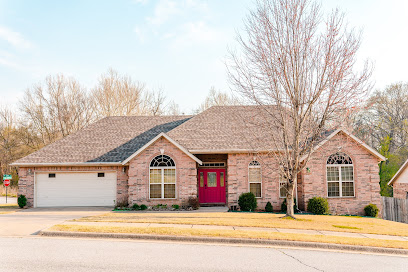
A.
pixel 220 129
pixel 112 139
pixel 228 128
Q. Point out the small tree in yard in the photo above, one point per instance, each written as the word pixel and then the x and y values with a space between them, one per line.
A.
pixel 298 67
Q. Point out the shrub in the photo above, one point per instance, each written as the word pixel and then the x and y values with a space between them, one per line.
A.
pixel 175 207
pixel 284 206
pixel 22 201
pixel 193 202
pixel 318 205
pixel 247 202
pixel 371 210
pixel 268 207
pixel 122 204
pixel 161 206
pixel 143 207
pixel 136 207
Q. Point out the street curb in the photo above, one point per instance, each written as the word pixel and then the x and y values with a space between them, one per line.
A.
pixel 220 240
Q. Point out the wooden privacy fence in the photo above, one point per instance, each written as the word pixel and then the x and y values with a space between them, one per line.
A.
pixel 395 209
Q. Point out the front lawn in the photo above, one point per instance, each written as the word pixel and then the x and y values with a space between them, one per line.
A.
pixel 311 222
pixel 234 234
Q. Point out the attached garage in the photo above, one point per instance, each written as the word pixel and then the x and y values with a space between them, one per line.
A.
pixel 59 189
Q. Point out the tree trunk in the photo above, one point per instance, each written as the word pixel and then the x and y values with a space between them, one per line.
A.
pixel 289 199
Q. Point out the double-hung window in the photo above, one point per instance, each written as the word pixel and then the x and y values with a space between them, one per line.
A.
pixel 340 175
pixel 162 177
pixel 255 178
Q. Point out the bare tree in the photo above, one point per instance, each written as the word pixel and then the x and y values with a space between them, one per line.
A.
pixel 55 108
pixel 303 65
pixel 385 115
pixel 217 98
pixel 173 109
pixel 154 103
pixel 117 95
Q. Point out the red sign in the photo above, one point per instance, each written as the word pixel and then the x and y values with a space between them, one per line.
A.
pixel 6 182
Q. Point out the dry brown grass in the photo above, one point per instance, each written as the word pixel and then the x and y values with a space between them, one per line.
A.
pixel 9 206
pixel 235 234
pixel 312 222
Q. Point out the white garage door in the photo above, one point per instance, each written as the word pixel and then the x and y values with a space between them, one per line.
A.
pixel 75 189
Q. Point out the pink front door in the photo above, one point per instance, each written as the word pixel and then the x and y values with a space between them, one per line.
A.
pixel 211 183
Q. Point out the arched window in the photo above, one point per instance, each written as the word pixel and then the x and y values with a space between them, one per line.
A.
pixel 162 177
pixel 340 175
pixel 254 178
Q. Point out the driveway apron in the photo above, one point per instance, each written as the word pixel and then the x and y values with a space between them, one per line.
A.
pixel 31 221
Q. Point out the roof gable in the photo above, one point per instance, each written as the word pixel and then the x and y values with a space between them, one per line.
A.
pixel 152 141
pixel 399 172
pixel 360 142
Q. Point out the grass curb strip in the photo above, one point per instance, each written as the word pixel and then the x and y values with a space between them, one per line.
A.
pixel 285 243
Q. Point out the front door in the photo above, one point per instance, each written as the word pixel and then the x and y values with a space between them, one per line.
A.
pixel 211 183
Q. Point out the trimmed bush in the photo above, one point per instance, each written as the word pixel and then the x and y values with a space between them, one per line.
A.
pixel 136 207
pixel 143 207
pixel 22 201
pixel 247 202
pixel 318 205
pixel 175 206
pixel 284 206
pixel 371 210
pixel 268 207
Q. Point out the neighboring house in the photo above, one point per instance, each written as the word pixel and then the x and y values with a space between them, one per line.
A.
pixel 399 182
pixel 215 156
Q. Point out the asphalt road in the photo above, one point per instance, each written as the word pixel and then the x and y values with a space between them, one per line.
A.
pixel 61 254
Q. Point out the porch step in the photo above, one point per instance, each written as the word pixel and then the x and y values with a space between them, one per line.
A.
pixel 212 204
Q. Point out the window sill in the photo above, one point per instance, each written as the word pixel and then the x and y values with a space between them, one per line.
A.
pixel 341 197
pixel 162 198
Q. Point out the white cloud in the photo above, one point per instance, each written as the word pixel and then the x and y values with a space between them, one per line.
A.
pixel 11 64
pixel 197 5
pixel 139 33
pixel 163 11
pixel 197 33
pixel 143 2
pixel 14 38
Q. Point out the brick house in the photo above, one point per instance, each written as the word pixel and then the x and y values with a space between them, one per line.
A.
pixel 215 156
pixel 399 182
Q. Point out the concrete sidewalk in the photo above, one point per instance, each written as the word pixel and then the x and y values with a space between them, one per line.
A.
pixel 214 227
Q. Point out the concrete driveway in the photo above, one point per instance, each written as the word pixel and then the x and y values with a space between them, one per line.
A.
pixel 30 221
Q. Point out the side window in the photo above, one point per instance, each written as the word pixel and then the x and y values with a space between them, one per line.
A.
pixel 255 178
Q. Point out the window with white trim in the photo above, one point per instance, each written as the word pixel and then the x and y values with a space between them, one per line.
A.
pixel 282 188
pixel 254 178
pixel 162 177
pixel 340 175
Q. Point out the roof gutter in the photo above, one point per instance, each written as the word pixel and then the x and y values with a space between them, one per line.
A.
pixel 67 164
pixel 230 151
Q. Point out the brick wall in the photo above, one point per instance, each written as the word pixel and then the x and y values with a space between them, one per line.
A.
pixel 400 190
pixel 237 179
pixel 26 179
pixel 366 178
pixel 186 175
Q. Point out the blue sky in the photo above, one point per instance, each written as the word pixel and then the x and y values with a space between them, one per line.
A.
pixel 177 45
